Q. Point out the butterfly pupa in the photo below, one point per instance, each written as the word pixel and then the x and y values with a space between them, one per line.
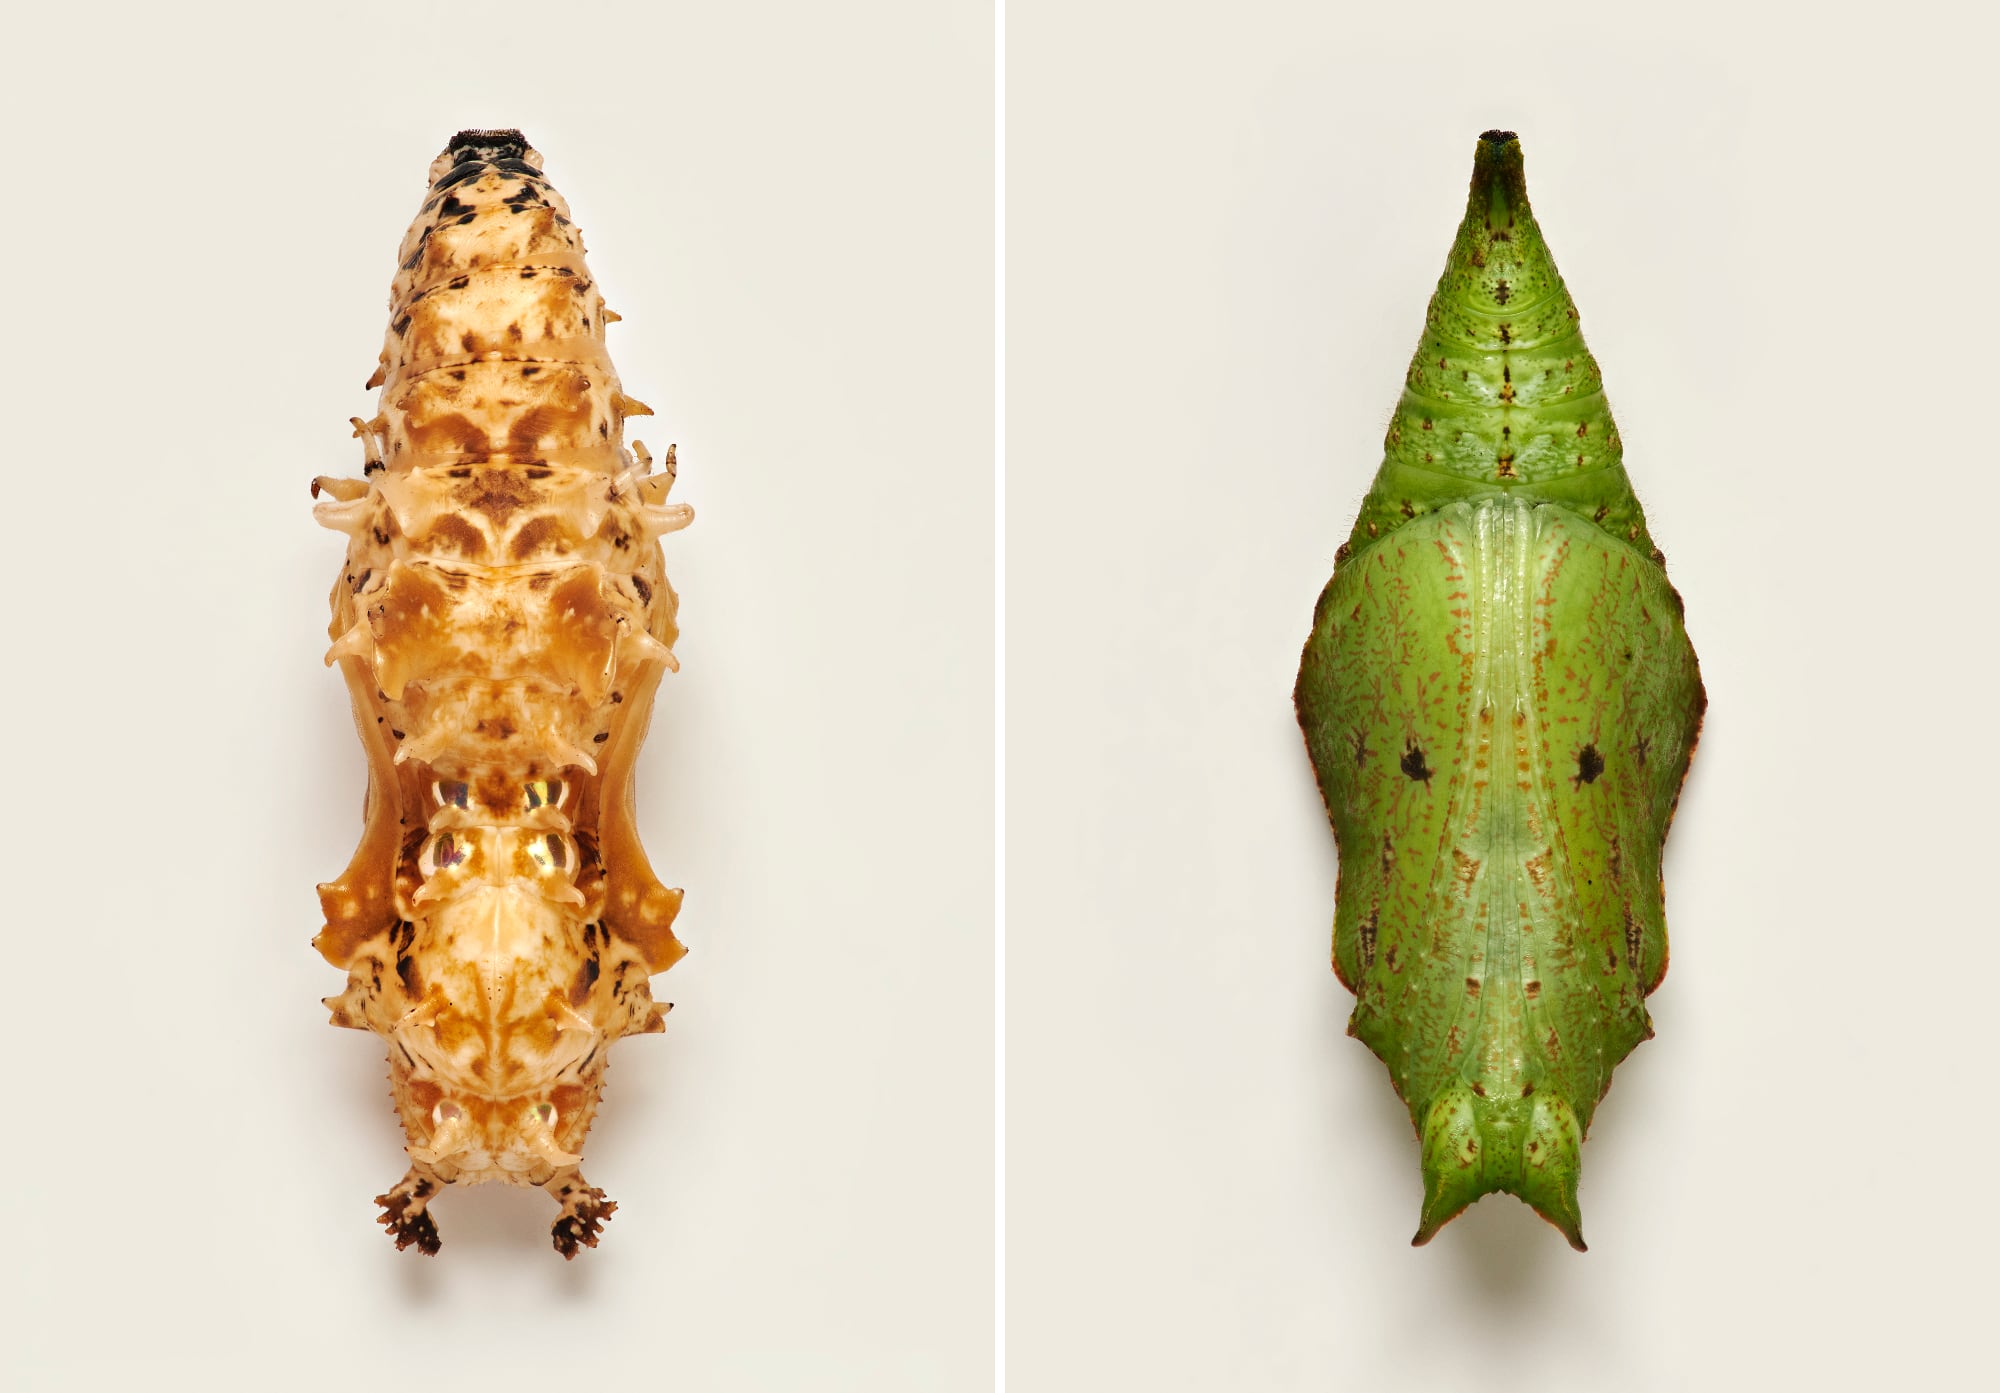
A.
pixel 1500 701
pixel 502 619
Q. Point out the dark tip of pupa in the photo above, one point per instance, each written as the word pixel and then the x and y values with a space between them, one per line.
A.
pixel 497 145
pixel 1498 137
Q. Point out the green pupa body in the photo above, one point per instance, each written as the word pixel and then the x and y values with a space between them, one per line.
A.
pixel 1500 700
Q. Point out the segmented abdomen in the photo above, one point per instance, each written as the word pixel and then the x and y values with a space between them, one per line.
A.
pixel 502 620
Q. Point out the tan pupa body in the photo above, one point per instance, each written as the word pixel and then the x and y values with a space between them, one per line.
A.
pixel 502 622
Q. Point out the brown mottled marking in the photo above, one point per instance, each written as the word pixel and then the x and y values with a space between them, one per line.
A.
pixel 453 534
pixel 537 537
pixel 1465 870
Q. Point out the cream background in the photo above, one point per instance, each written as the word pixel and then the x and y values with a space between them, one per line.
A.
pixel 791 205
pixel 1223 225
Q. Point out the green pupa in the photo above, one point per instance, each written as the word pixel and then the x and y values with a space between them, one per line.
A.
pixel 1500 701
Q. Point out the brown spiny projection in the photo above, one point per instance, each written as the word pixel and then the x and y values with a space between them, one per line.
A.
pixel 502 620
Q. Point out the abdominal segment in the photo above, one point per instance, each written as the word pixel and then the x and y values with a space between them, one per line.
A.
pixel 502 620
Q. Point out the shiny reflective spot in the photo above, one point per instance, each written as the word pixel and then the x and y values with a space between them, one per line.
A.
pixel 544 793
pixel 443 851
pixel 551 853
pixel 452 795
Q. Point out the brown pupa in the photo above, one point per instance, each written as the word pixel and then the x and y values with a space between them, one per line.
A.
pixel 502 621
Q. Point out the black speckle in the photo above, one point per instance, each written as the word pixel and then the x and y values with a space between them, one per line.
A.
pixel 1414 766
pixel 458 174
pixel 645 591
pixel 1589 764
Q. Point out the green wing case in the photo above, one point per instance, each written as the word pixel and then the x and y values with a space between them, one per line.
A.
pixel 1500 700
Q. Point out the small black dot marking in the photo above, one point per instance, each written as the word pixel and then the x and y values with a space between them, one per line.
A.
pixel 1414 766
pixel 1589 764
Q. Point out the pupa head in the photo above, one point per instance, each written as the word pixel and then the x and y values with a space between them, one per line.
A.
pixel 484 147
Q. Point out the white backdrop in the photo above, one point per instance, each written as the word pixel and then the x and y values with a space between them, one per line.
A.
pixel 1223 224
pixel 791 206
